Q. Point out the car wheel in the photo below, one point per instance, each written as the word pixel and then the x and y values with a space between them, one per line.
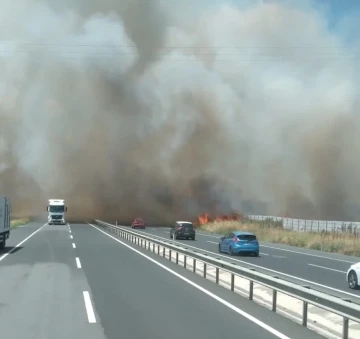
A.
pixel 231 252
pixel 352 280
pixel 193 238
pixel 219 248
pixel 256 254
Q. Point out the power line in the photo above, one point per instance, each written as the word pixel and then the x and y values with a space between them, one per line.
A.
pixel 309 46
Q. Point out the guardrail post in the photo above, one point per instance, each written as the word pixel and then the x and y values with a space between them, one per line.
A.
pixel 185 261
pixel 204 273
pixel 141 243
pixel 305 313
pixel 164 252
pixel 158 250
pixel 251 290
pixel 274 300
pixel 217 275
pixel 153 247
pixel 345 328
pixel 194 265
pixel 232 282
pixel 177 258
pixel 170 254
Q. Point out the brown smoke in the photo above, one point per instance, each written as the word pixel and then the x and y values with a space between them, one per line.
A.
pixel 163 110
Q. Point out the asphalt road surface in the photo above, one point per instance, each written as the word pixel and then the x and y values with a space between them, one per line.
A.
pixel 322 271
pixel 76 281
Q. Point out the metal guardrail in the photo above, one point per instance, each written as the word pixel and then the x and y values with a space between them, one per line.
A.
pixel 341 307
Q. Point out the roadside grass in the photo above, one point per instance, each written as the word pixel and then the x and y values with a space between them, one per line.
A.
pixel 273 232
pixel 19 222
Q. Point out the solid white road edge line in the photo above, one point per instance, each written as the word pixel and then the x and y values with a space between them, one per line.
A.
pixel 212 295
pixel 78 263
pixel 257 266
pixel 20 243
pixel 73 245
pixel 89 308
pixel 327 268
pixel 71 237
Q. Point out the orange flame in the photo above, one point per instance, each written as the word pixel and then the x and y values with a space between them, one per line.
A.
pixel 203 219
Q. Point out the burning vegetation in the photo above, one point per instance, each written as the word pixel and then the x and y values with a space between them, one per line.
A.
pixel 204 219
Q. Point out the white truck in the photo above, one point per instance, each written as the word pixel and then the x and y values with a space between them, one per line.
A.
pixel 4 221
pixel 56 211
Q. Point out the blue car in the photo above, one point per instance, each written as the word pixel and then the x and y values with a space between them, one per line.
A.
pixel 239 243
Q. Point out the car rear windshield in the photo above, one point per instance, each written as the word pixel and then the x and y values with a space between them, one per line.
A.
pixel 187 225
pixel 139 220
pixel 246 237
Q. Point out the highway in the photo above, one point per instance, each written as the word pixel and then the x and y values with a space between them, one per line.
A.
pixel 77 281
pixel 320 270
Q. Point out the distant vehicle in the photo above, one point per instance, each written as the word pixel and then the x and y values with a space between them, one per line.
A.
pixel 239 243
pixel 183 229
pixel 353 276
pixel 56 209
pixel 4 221
pixel 138 223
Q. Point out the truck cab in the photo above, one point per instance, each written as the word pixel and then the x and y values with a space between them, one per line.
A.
pixel 56 212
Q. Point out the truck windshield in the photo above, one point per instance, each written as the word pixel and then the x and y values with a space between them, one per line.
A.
pixel 56 209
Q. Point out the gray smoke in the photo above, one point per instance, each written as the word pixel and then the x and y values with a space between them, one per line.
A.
pixel 164 110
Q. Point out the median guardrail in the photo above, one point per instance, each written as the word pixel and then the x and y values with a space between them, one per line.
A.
pixel 341 307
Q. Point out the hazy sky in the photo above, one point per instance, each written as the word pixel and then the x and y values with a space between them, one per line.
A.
pixel 336 9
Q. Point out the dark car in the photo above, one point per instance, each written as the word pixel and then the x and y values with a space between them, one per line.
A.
pixel 183 229
pixel 138 223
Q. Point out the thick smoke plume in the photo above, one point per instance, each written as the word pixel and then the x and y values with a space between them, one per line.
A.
pixel 165 110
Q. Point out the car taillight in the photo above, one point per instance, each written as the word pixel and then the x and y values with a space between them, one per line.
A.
pixel 236 239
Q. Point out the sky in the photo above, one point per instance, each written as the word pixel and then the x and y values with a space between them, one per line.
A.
pixel 336 10
pixel 341 15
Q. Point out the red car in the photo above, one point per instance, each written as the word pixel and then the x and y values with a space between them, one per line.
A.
pixel 138 223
